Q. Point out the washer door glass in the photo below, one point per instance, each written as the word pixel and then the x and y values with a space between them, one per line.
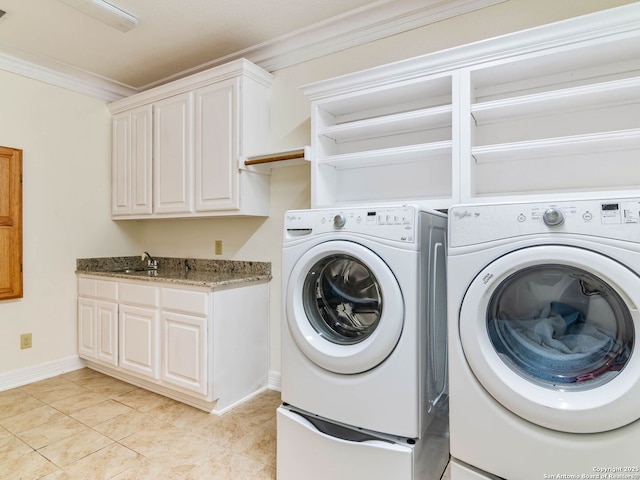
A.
pixel 549 331
pixel 342 299
pixel 558 325
pixel 344 307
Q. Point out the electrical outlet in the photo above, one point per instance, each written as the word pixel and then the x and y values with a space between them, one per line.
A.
pixel 25 341
pixel 218 247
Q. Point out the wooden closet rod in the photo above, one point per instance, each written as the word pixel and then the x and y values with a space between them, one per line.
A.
pixel 276 157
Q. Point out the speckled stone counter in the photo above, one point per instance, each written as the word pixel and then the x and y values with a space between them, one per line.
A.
pixel 183 271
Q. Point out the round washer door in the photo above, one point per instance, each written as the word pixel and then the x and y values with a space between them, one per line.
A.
pixel 344 307
pixel 549 332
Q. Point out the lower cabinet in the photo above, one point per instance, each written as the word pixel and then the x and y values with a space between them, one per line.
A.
pixel 139 340
pixel 184 344
pixel 98 320
pixel 206 347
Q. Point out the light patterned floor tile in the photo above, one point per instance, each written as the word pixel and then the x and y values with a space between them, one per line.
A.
pixel 179 415
pixel 107 386
pixel 142 399
pixel 56 475
pixel 27 467
pixel 226 466
pixel 75 447
pixel 16 402
pixel 52 389
pixel 32 418
pixel 259 444
pixel 103 464
pixel 80 375
pixel 267 473
pixel 260 409
pixel 153 441
pixel 12 447
pixel 44 385
pixel 100 413
pixel 50 432
pixel 78 402
pixel 125 425
pixel 153 469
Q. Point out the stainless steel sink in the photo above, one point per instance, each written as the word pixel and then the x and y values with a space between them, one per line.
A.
pixel 134 270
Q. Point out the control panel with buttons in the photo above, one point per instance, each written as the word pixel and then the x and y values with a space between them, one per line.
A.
pixel 392 223
pixel 616 219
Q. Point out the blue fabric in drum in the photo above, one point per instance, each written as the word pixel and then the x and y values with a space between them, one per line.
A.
pixel 556 345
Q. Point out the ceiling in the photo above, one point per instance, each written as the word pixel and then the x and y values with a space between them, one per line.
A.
pixel 177 37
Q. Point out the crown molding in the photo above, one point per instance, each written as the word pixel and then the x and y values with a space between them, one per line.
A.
pixel 357 27
pixel 62 75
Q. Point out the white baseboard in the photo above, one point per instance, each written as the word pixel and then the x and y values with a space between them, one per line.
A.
pixel 24 376
pixel 274 380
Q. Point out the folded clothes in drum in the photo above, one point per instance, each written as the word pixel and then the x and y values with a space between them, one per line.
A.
pixel 557 345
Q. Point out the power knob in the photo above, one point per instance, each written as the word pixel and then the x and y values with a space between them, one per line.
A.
pixel 339 220
pixel 553 217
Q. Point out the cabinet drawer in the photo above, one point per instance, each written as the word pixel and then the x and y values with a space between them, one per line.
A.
pixel 186 301
pixel 92 287
pixel 135 294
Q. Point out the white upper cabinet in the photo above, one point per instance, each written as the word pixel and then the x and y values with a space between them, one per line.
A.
pixel 553 110
pixel 177 148
pixel 131 167
pixel 173 154
pixel 216 185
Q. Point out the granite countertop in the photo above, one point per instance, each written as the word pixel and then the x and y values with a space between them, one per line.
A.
pixel 183 271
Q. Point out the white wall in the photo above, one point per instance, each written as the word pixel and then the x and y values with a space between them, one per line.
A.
pixel 65 138
pixel 66 141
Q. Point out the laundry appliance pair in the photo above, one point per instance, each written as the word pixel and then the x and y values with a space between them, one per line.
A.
pixel 364 361
pixel 544 365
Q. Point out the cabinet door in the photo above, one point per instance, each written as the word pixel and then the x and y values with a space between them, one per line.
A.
pixel 87 333
pixel 121 164
pixel 216 147
pixel 184 340
pixel 138 340
pixel 131 162
pixel 172 154
pixel 107 329
pixel 141 160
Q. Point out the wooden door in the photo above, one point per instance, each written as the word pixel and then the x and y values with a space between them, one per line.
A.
pixel 10 223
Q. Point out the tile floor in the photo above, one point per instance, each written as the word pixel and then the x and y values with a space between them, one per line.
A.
pixel 85 425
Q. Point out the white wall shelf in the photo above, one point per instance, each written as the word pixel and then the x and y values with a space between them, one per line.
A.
pixel 407 154
pixel 551 111
pixel 414 121
pixel 561 146
pixel 618 92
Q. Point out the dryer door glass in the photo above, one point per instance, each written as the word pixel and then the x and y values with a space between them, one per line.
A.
pixel 342 299
pixel 560 326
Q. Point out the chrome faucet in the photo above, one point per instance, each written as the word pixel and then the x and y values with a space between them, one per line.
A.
pixel 151 262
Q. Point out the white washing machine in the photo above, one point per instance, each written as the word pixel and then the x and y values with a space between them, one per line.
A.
pixel 363 341
pixel 543 319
